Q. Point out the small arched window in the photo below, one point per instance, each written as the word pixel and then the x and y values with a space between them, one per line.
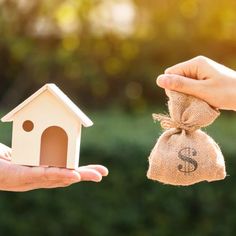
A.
pixel 28 125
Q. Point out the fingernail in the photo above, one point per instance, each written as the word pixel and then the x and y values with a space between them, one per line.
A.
pixel 161 80
pixel 97 179
pixel 106 173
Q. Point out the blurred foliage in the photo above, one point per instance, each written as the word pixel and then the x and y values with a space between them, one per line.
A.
pixel 107 53
pixel 126 202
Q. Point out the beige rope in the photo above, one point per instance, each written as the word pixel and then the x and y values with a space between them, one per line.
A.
pixel 167 123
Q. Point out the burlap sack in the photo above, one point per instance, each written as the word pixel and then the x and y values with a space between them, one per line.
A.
pixel 183 154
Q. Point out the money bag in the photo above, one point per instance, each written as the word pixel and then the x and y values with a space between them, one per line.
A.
pixel 184 154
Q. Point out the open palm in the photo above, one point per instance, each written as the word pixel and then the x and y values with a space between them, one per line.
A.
pixel 23 178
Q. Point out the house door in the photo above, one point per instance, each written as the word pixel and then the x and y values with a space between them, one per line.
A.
pixel 54 143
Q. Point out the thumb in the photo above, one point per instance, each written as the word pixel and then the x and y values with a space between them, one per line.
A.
pixel 181 84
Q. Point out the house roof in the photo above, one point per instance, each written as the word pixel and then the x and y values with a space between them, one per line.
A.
pixel 60 96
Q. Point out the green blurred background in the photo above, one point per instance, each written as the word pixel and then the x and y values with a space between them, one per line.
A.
pixel 106 56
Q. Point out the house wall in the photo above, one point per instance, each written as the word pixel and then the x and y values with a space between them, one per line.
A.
pixel 44 111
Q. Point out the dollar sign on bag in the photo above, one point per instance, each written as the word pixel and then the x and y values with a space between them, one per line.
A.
pixel 190 165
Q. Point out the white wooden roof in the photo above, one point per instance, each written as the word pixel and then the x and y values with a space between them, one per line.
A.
pixel 60 96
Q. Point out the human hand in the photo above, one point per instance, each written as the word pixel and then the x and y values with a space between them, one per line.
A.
pixel 23 178
pixel 202 78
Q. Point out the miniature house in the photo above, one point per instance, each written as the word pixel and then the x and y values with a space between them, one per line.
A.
pixel 47 129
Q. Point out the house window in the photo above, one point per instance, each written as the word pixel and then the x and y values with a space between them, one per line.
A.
pixel 28 125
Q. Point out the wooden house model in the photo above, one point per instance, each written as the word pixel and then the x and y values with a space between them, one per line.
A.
pixel 47 129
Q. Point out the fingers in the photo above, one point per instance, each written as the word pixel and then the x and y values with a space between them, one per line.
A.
pixel 101 169
pixel 191 68
pixel 89 174
pixel 52 177
pixel 181 84
pixel 84 173
pixel 53 173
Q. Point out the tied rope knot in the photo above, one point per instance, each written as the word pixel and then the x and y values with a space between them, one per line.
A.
pixel 167 123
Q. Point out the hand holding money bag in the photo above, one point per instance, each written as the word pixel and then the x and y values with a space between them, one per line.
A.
pixel 183 154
